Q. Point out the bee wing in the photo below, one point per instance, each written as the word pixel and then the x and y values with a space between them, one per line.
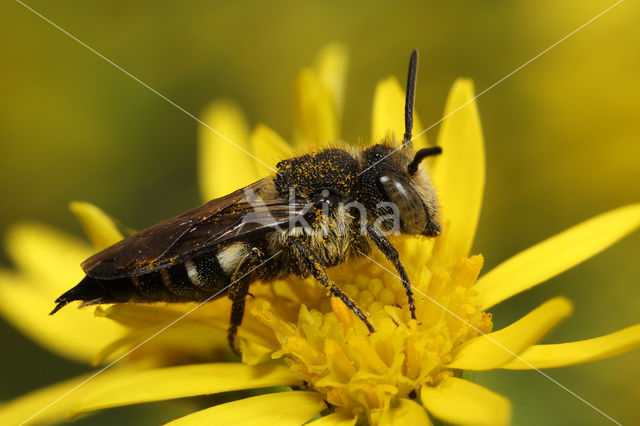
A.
pixel 241 215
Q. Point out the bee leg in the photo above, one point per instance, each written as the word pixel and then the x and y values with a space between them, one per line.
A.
pixel 238 293
pixel 300 252
pixel 390 252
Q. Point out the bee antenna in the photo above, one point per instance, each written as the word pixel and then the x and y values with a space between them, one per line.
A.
pixel 421 155
pixel 410 97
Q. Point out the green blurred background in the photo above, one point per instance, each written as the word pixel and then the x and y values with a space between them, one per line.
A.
pixel 562 139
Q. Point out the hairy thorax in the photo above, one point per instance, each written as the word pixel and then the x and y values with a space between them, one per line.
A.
pixel 332 238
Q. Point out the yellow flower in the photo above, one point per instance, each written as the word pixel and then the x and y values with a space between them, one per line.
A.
pixel 408 371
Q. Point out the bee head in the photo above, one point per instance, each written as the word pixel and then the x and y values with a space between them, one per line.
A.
pixel 397 193
pixel 384 181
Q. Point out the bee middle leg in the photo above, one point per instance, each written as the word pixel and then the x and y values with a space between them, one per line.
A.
pixel 303 255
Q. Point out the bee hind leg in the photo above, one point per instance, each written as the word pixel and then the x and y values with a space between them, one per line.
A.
pixel 237 294
pixel 319 272
pixel 238 291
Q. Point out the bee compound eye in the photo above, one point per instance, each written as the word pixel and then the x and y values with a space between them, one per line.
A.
pixel 413 216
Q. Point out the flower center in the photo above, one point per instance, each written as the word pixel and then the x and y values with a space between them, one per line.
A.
pixel 364 373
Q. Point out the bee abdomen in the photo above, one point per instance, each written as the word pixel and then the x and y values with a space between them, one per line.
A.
pixel 193 280
pixel 207 274
pixel 176 281
pixel 92 290
pixel 149 287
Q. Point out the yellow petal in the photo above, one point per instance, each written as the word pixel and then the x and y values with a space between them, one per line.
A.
pixel 282 409
pixel 495 349
pixel 98 226
pixel 331 65
pixel 47 257
pixel 142 315
pixel 335 419
pixel 555 255
pixel 51 404
pixel 72 333
pixel 253 353
pixel 127 342
pixel 178 382
pixel 458 401
pixel 26 408
pixel 388 114
pixel 270 147
pixel 49 262
pixel 212 314
pixel 406 412
pixel 459 173
pixel 572 353
pixel 316 114
pixel 224 164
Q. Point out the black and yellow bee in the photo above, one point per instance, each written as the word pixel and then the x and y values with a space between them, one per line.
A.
pixel 318 210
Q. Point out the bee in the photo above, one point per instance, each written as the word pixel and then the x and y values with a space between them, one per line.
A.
pixel 318 210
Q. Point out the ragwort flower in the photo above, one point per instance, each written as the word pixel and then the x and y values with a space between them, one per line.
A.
pixel 407 371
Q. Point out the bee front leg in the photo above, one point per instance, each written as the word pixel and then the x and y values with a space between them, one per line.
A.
pixel 303 255
pixel 390 252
